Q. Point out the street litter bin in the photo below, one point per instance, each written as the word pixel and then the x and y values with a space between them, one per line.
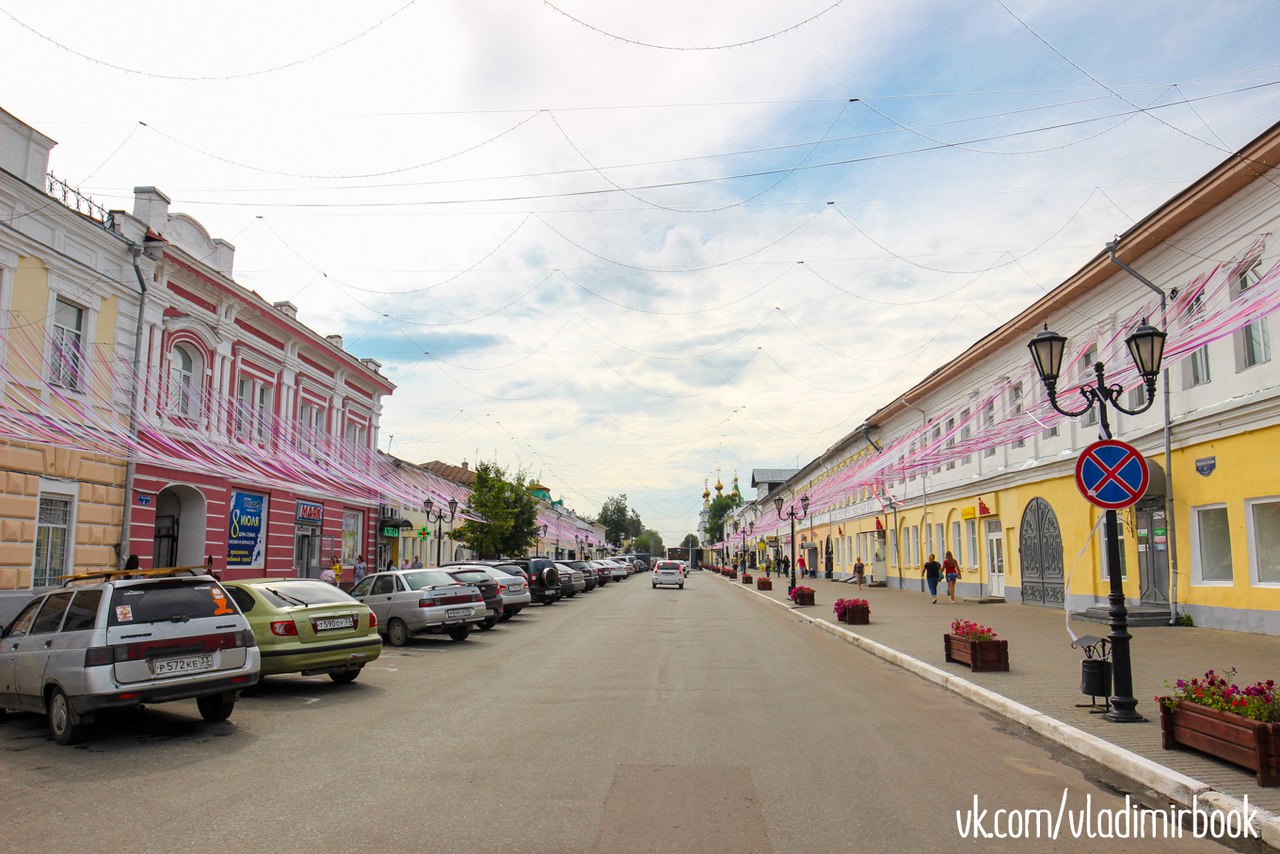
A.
pixel 1095 677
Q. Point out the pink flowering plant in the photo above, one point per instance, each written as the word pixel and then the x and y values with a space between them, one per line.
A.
pixel 1257 702
pixel 796 591
pixel 844 606
pixel 970 630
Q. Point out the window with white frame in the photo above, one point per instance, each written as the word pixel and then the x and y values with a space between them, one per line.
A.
pixel 1264 539
pixel 1015 409
pixel 53 540
pixel 989 428
pixel 939 538
pixel 956 544
pixel 262 412
pixel 1253 342
pixel 936 448
pixel 67 359
pixel 1050 432
pixel 892 557
pixel 1086 374
pixel 966 433
pixel 1104 570
pixel 1195 368
pixel 951 443
pixel 1211 544
pixel 971 540
pixel 184 390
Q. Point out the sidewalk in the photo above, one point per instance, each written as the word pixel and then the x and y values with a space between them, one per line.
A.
pixel 1044 674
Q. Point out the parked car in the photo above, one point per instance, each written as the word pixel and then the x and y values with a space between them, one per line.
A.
pixel 668 572
pixel 514 586
pixel 621 569
pixel 476 576
pixel 307 626
pixel 115 639
pixel 603 570
pixel 589 577
pixel 543 578
pixel 409 602
pixel 572 581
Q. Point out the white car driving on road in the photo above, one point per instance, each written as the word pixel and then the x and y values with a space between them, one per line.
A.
pixel 668 572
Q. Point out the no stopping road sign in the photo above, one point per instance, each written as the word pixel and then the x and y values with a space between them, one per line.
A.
pixel 1112 474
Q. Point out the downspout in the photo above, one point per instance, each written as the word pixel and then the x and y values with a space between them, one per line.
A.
pixel 1172 539
pixel 131 465
pixel 924 489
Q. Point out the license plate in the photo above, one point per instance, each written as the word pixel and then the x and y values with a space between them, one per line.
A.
pixel 458 612
pixel 185 664
pixel 329 624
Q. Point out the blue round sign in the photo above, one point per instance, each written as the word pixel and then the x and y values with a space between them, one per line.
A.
pixel 1112 474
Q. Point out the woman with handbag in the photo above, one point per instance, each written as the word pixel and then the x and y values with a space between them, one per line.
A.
pixel 951 571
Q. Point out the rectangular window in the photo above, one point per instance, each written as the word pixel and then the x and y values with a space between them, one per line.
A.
pixel 989 429
pixel 1253 345
pixel 350 536
pixel 1051 432
pixel 1211 538
pixel 1090 418
pixel 935 449
pixel 951 444
pixel 1102 552
pixel 53 541
pixel 262 410
pixel 1195 368
pixel 67 368
pixel 939 538
pixel 955 543
pixel 1015 409
pixel 244 406
pixel 971 540
pixel 893 548
pixel 966 433
pixel 1264 540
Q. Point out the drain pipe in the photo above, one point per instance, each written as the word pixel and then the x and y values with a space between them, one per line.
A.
pixel 131 465
pixel 1171 540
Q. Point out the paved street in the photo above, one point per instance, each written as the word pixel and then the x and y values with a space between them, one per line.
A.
pixel 628 719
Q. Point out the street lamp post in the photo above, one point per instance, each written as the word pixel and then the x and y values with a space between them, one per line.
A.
pixel 1146 346
pixel 746 532
pixel 438 518
pixel 793 516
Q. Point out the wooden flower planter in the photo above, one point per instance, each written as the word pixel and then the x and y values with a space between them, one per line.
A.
pixel 859 615
pixel 733 573
pixel 804 598
pixel 764 584
pixel 1250 744
pixel 980 655
pixel 746 579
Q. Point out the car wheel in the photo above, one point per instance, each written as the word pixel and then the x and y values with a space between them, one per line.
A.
pixel 398 633
pixel 345 677
pixel 459 633
pixel 681 586
pixel 655 586
pixel 216 707
pixel 489 623
pixel 548 601
pixel 65 724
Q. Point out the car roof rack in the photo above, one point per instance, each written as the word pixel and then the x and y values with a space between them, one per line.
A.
pixel 97 575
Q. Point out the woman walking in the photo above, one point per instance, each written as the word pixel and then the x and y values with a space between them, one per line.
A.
pixel 932 573
pixel 951 571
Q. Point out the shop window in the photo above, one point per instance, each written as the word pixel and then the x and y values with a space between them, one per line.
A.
pixel 1103 570
pixel 1211 540
pixel 184 388
pixel 971 540
pixel 1264 540
pixel 957 551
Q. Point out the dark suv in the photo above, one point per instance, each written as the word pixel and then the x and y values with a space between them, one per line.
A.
pixel 544 578
pixel 488 589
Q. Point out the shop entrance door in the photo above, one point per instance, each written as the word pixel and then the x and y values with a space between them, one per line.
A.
pixel 995 557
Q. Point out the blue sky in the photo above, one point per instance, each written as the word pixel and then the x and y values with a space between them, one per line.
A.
pixel 442 188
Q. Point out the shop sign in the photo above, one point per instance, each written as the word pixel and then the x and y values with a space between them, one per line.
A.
pixel 310 511
pixel 968 512
pixel 247 530
pixel 1206 465
pixel 392 531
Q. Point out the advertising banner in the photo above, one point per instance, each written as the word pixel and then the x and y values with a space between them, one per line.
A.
pixel 247 530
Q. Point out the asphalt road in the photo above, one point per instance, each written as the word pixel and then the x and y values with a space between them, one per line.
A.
pixel 625 720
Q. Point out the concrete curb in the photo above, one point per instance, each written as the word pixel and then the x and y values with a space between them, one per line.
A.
pixel 1178 788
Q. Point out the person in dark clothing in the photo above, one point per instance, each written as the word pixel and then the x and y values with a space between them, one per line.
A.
pixel 932 573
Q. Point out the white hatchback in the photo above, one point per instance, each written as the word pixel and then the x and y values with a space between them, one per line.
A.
pixel 668 572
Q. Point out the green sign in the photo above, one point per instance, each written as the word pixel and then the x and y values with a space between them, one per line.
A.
pixel 391 531
pixel 423 533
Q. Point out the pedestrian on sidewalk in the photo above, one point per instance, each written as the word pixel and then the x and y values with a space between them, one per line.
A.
pixel 932 573
pixel 768 566
pixel 859 570
pixel 800 568
pixel 951 571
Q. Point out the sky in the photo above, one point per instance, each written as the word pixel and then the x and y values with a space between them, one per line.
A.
pixel 633 246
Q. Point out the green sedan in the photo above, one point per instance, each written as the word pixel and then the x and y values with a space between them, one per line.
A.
pixel 308 627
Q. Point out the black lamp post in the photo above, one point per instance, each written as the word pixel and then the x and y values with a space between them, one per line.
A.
pixel 438 518
pixel 1146 346
pixel 793 516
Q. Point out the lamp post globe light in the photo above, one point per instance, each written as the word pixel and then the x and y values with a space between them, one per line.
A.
pixel 438 518
pixel 1146 346
pixel 793 516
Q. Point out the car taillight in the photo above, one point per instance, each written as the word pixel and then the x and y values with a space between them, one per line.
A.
pixel 426 603
pixel 476 597
pixel 247 638
pixel 284 628
pixel 98 656
pixel 373 620
pixel 502 588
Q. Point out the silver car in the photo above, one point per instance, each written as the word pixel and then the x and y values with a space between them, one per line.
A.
pixel 110 640
pixel 514 589
pixel 668 572
pixel 410 602
pixel 572 581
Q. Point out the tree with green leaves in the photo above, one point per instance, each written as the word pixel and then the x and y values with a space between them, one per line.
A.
pixel 690 541
pixel 650 542
pixel 720 507
pixel 613 515
pixel 507 511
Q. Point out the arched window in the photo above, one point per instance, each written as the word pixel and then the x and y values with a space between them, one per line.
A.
pixel 184 389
